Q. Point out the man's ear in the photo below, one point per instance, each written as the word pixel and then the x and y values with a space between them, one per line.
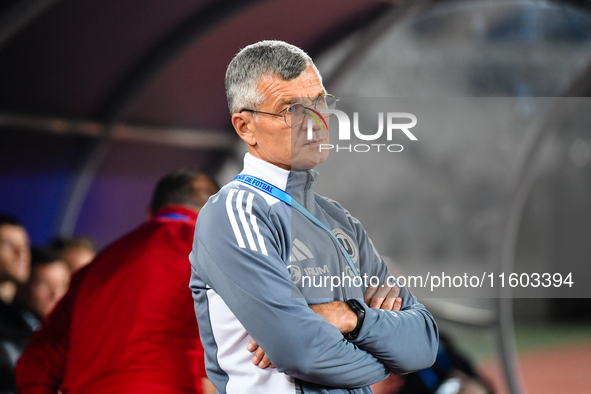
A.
pixel 243 124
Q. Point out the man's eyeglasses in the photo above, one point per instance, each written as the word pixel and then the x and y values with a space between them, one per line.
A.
pixel 294 114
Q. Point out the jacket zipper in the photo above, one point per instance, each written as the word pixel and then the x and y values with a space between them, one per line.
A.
pixel 341 265
pixel 306 187
pixel 339 256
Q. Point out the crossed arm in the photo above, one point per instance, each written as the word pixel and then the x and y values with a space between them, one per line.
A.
pixel 340 315
pixel 306 345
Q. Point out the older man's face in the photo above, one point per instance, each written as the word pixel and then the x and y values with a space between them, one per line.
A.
pixel 276 142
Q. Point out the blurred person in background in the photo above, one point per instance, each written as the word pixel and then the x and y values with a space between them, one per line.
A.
pixel 452 372
pixel 127 323
pixel 15 331
pixel 76 251
pixel 49 281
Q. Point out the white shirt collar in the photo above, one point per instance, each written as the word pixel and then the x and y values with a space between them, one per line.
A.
pixel 266 171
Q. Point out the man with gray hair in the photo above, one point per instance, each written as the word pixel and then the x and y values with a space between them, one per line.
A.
pixel 266 236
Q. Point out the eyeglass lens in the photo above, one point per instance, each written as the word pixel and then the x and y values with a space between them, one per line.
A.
pixel 296 113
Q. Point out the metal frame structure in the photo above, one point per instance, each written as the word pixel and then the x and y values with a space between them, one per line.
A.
pixel 20 16
pixel 136 80
pixel 500 320
pixel 130 88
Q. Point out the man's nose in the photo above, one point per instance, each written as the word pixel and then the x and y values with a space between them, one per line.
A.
pixel 311 128
pixel 20 251
pixel 314 118
pixel 312 122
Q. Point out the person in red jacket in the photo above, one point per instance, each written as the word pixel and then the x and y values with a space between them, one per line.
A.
pixel 126 324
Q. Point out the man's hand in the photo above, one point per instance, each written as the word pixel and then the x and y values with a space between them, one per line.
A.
pixel 259 357
pixel 384 297
pixel 340 315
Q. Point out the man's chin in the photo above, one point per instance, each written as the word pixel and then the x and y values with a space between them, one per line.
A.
pixel 309 162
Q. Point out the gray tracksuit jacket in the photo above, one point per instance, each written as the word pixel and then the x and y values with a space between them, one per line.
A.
pixel 256 266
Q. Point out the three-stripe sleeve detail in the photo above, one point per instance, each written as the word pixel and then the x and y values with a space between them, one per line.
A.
pixel 242 217
pixel 232 218
pixel 255 226
pixel 240 206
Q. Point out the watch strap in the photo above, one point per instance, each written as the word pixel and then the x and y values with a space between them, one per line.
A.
pixel 358 309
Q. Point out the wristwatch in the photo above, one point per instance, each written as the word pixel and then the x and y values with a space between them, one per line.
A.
pixel 358 309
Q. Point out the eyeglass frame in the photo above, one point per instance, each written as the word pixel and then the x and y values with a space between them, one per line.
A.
pixel 285 110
